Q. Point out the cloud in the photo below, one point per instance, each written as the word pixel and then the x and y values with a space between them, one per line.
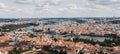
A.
pixel 24 1
pixel 38 2
pixel 12 11
pixel 2 6
pixel 59 8
pixel 54 2
pixel 105 2
pixel 103 5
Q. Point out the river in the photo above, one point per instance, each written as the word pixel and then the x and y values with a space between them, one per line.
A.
pixel 101 39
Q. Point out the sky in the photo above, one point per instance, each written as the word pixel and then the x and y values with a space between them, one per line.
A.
pixel 58 8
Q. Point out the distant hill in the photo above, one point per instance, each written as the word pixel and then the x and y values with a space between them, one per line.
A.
pixel 8 20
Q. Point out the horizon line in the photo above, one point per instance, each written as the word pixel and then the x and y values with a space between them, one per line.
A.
pixel 58 17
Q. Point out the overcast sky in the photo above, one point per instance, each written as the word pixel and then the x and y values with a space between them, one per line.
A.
pixel 59 8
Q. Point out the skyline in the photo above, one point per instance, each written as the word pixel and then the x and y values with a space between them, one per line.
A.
pixel 58 8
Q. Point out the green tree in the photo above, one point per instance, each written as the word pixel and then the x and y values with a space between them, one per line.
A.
pixel 16 51
pixel 76 40
pixel 101 52
pixel 55 39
